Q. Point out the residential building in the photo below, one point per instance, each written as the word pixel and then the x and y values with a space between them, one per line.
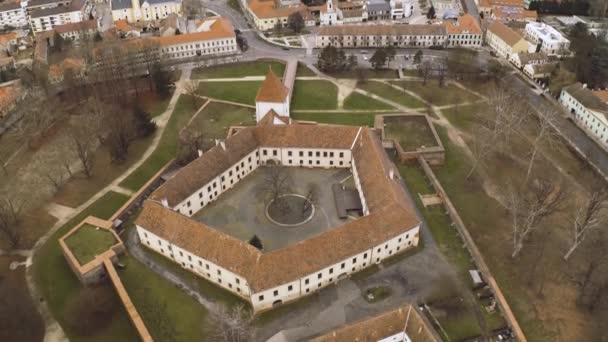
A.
pixel 10 93
pixel 47 18
pixel 75 67
pixel 388 226
pixel 465 32
pixel 352 11
pixel 378 10
pixel 538 72
pixel 510 14
pixel 382 35
pixel 401 9
pixel 77 31
pixel 404 324
pixel 13 14
pixel 504 41
pixel 547 39
pixel 274 96
pixel 520 60
pixel 589 110
pixel 267 15
pixel 136 10
pixel 487 6
pixel 214 37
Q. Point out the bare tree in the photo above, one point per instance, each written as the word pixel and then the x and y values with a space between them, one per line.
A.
pixel 589 216
pixel 441 68
pixel 84 146
pixel 481 147
pixel 10 220
pixel 56 181
pixel 424 70
pixel 529 205
pixel 234 325
pixel 191 89
pixel 506 118
pixel 544 134
pixel 277 182
pixel 311 197
pixel 190 143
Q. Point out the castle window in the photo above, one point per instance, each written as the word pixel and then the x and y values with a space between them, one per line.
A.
pixel 276 293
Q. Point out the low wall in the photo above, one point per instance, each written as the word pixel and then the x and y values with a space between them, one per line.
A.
pixel 473 250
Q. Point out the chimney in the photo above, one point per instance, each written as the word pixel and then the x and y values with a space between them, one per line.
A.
pixel 217 142
pixel 164 202
pixel 200 152
pixel 391 174
pixel 584 85
pixel 223 144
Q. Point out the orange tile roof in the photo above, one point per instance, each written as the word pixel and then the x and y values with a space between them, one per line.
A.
pixel 515 14
pixel 265 9
pixel 601 94
pixel 464 24
pixel 122 25
pixel 505 33
pixel 272 89
pixel 507 3
pixel 221 28
pixel 70 63
pixel 8 97
pixel 4 38
pixel 384 325
pixel 391 211
pixel 88 25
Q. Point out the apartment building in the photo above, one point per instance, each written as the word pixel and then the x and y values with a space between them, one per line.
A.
pixel 46 18
pixel 382 35
pixel 589 109
pixel 504 41
pixel 464 32
pixel 548 40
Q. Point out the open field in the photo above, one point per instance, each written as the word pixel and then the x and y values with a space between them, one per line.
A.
pixel 255 68
pixel 240 92
pixel 411 132
pixel 390 93
pixel 57 283
pixel 365 73
pixel 167 147
pixel 215 120
pixel 303 71
pixel 354 119
pixel 439 96
pixel 359 101
pixel 314 95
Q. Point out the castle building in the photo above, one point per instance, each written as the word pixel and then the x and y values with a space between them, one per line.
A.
pixel 389 224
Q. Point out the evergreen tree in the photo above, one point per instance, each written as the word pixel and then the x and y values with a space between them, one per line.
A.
pixel 431 13
pixel 144 126
pixel 418 57
pixel 256 242
pixel 379 58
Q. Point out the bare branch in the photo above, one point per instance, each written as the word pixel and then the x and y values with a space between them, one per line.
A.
pixel 589 216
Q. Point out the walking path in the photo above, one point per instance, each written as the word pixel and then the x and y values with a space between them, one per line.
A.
pixel 54 332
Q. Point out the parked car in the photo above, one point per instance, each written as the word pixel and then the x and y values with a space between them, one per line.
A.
pixel 285 48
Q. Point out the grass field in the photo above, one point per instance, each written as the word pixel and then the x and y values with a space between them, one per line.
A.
pixel 56 281
pixel 167 147
pixel 168 312
pixel 239 92
pixel 365 73
pixel 89 241
pixel 215 120
pixel 465 116
pixel 355 119
pixel 360 101
pixel 314 95
pixel 303 70
pixel 438 96
pixel 390 93
pixel 254 68
pixel 411 132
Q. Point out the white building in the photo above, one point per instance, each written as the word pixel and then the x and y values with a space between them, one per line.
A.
pixel 464 31
pixel 551 42
pixel 330 15
pixel 136 10
pixel 13 14
pixel 47 18
pixel 401 9
pixel 589 110
pixel 272 96
pixel 214 36
pixel 77 31
pixel 520 60
pixel 266 279
pixel 382 35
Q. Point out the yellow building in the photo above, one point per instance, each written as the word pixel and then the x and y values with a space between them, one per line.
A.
pixel 505 41
pixel 134 10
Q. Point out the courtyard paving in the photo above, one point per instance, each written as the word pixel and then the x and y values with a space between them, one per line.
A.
pixel 240 211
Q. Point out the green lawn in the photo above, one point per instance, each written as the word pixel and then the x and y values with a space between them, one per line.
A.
pixel 215 120
pixel 365 73
pixel 432 93
pixel 411 132
pixel 390 93
pixel 56 281
pixel 240 92
pixel 303 70
pixel 376 294
pixel 354 119
pixel 168 312
pixel 359 101
pixel 314 95
pixel 463 117
pixel 166 148
pixel 254 68
pixel 89 241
